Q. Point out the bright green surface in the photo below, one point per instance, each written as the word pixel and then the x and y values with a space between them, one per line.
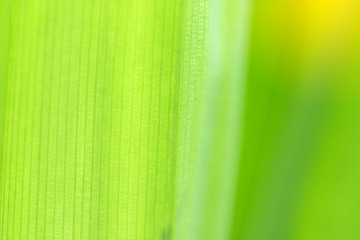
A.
pixel 91 121
pixel 185 120
pixel 4 54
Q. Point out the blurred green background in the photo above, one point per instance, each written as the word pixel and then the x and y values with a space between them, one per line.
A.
pixel 299 175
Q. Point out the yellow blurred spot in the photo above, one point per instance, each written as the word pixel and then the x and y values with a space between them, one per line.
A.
pixel 325 21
